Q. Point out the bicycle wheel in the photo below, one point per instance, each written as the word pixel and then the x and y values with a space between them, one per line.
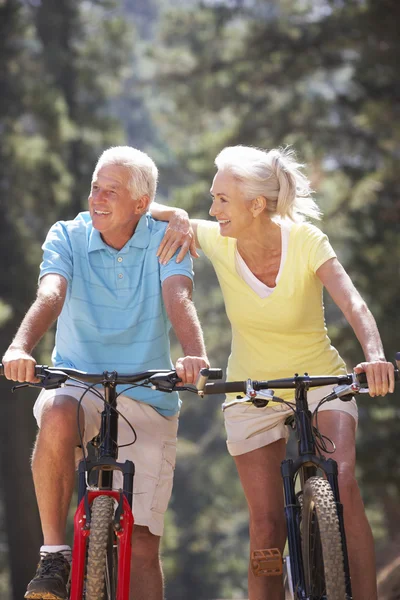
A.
pixel 101 568
pixel 322 543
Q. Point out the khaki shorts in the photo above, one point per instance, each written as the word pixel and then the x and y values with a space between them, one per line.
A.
pixel 249 428
pixel 153 453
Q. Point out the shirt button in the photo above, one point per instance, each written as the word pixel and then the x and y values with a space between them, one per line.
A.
pixel 120 276
pixel 119 259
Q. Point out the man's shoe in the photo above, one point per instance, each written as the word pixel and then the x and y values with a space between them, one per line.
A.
pixel 51 579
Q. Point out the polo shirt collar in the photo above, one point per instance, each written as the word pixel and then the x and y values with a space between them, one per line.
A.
pixel 140 239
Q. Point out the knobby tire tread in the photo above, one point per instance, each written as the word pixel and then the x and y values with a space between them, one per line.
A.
pixel 319 518
pixel 101 517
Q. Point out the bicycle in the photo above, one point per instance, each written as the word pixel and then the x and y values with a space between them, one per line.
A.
pixel 317 566
pixel 103 521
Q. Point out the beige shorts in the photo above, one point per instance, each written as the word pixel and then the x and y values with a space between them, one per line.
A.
pixel 153 453
pixel 249 428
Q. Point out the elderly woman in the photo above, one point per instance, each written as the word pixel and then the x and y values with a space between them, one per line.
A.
pixel 272 265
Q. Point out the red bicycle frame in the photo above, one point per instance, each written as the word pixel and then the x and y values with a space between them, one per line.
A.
pixel 81 535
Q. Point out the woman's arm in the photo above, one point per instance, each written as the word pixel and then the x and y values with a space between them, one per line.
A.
pixel 180 233
pixel 380 373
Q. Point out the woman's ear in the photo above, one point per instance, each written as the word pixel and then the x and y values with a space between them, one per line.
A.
pixel 258 205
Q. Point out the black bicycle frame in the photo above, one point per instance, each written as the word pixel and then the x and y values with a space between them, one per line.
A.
pixel 307 465
pixel 107 450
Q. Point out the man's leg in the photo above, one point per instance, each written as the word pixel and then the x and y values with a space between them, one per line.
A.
pixel 53 466
pixel 341 428
pixel 259 472
pixel 153 455
pixel 146 573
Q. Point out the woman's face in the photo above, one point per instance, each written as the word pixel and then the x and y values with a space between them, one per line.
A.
pixel 229 206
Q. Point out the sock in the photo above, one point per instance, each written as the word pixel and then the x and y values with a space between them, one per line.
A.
pixel 65 550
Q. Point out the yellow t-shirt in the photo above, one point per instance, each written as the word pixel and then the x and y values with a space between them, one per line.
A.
pixel 284 333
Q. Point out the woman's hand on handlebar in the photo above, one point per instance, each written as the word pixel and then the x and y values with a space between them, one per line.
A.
pixel 19 366
pixel 380 376
pixel 188 368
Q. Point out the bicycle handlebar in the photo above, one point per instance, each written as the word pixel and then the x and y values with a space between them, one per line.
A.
pixel 290 382
pixel 167 380
pixel 275 384
pixel 164 380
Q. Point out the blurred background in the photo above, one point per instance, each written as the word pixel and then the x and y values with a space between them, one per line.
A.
pixel 180 79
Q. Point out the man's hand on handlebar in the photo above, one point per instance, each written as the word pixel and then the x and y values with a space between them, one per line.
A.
pixel 188 368
pixel 19 366
pixel 380 376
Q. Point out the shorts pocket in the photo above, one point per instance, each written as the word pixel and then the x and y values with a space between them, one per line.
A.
pixel 163 489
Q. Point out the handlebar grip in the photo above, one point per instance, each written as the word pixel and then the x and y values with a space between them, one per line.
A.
pixel 1 370
pixel 226 387
pixel 398 360
pixel 212 373
pixel 362 378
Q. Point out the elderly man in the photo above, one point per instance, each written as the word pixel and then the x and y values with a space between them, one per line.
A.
pixel 101 278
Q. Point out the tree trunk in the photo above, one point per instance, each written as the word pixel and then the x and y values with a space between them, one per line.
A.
pixel 17 433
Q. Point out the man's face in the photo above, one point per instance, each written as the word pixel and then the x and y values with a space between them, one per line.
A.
pixel 113 210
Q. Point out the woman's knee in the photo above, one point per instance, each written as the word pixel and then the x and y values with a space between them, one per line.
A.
pixel 267 529
pixel 348 487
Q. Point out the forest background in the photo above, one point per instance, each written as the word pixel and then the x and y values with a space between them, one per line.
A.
pixel 180 80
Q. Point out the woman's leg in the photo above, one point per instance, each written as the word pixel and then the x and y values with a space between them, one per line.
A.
pixel 340 427
pixel 259 472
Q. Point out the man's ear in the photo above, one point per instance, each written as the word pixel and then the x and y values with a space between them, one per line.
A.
pixel 142 204
pixel 258 205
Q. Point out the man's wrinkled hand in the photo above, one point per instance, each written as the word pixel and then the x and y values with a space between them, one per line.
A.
pixel 179 234
pixel 188 368
pixel 380 376
pixel 19 366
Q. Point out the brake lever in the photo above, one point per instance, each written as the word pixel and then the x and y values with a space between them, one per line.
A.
pixel 50 381
pixel 356 386
pixel 164 382
pixel 23 385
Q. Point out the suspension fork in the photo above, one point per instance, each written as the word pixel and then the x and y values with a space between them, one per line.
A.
pixel 108 432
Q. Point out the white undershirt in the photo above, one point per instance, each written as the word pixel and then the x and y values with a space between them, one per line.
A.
pixel 262 290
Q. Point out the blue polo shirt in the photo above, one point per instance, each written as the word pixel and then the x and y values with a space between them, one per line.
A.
pixel 113 317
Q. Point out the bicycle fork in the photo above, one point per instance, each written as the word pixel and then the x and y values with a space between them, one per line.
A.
pixel 123 520
pixel 289 468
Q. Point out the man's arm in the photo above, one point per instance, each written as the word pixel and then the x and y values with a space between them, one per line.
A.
pixel 18 363
pixel 177 295
pixel 180 233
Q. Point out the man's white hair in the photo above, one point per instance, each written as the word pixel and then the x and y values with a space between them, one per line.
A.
pixel 143 171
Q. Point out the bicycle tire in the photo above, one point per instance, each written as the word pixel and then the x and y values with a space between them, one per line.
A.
pixel 111 572
pixel 322 548
pixel 98 555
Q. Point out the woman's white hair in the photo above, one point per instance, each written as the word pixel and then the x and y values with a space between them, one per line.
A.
pixel 143 171
pixel 275 175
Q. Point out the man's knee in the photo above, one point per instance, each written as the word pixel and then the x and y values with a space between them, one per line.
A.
pixel 59 423
pixel 61 414
pixel 145 545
